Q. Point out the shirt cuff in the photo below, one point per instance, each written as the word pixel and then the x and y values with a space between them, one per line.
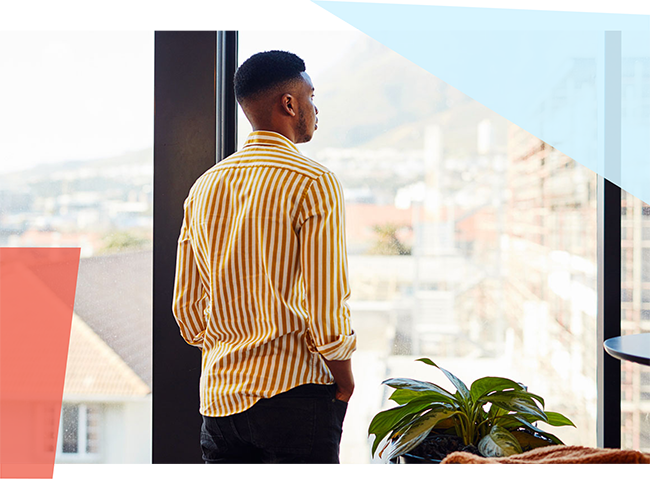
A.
pixel 197 341
pixel 340 349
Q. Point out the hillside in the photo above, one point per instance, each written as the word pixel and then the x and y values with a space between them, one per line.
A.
pixel 374 97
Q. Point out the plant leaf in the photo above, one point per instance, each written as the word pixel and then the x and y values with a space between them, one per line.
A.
pixel 536 397
pixel 557 419
pixel 384 422
pixel 415 385
pixel 525 423
pixel 512 395
pixel 484 386
pixel 527 440
pixel 388 420
pixel 498 443
pixel 519 405
pixel 515 421
pixel 495 412
pixel 403 396
pixel 460 386
pixel 415 432
pixel 420 387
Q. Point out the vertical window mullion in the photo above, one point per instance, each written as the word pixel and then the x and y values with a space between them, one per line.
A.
pixel 609 251
pixel 185 146
pixel 227 42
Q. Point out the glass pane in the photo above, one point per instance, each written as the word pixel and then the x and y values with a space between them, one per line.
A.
pixel 470 241
pixel 70 417
pixel 635 319
pixel 76 166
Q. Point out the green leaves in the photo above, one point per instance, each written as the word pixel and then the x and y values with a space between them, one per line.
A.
pixel 484 386
pixel 403 396
pixel 557 419
pixel 515 401
pixel 390 420
pixel 424 405
pixel 499 443
pixel 413 433
pixel 415 385
pixel 460 386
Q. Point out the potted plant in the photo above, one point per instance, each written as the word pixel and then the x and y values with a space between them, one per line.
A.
pixel 494 417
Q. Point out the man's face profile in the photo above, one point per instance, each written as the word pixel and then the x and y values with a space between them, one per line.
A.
pixel 307 111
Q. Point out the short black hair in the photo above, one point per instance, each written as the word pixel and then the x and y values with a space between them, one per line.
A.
pixel 265 70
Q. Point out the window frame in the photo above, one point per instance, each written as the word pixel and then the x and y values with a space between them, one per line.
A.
pixel 185 146
pixel 81 455
pixel 194 75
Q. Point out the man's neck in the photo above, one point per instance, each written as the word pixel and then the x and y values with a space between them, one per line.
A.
pixel 286 132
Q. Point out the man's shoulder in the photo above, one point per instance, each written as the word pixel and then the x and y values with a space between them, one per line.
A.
pixel 272 157
pixel 316 167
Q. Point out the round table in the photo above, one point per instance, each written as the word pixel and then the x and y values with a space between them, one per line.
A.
pixel 635 348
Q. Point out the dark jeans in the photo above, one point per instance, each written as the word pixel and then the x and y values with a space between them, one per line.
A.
pixel 302 425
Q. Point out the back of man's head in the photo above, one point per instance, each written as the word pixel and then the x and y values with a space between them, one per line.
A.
pixel 264 71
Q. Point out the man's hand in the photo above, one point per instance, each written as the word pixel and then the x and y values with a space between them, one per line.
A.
pixel 343 395
pixel 342 372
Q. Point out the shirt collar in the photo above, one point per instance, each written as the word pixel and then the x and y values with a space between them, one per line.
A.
pixel 270 138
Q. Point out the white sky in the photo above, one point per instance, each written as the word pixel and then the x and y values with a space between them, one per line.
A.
pixel 320 50
pixel 82 94
pixel 74 95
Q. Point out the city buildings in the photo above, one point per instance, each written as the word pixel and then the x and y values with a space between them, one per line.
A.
pixel 471 242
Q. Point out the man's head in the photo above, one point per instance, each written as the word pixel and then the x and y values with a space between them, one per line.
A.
pixel 276 94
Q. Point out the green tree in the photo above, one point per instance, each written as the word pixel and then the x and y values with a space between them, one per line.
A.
pixel 387 242
pixel 120 241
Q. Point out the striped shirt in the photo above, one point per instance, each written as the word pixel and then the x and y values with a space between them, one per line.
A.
pixel 261 274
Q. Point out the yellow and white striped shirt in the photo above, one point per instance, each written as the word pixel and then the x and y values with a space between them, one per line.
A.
pixel 261 274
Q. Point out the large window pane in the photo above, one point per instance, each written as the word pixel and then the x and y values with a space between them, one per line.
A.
pixel 470 241
pixel 76 170
pixel 635 319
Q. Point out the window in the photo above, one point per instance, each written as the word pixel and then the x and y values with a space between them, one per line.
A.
pixel 80 430
pixel 635 382
pixel 550 232
pixel 456 251
pixel 518 242
pixel 82 177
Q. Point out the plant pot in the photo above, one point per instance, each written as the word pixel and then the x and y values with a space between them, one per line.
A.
pixel 411 467
pixel 434 449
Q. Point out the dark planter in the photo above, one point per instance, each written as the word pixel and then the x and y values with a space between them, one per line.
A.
pixel 410 467
pixel 434 449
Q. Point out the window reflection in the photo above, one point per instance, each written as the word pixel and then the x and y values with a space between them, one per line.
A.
pixel 70 418
pixel 635 319
pixel 80 429
pixel 470 241
pixel 82 177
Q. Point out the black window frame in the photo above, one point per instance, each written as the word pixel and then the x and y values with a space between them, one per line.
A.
pixel 195 125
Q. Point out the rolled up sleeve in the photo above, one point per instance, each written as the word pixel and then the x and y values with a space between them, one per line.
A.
pixel 324 264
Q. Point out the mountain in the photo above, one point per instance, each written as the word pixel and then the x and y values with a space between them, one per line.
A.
pixel 373 92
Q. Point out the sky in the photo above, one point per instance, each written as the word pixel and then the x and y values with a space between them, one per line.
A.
pixel 77 95
pixel 74 95
pixel 320 51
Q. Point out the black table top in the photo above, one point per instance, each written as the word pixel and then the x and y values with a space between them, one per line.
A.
pixel 635 348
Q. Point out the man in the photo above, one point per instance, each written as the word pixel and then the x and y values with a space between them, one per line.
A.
pixel 262 284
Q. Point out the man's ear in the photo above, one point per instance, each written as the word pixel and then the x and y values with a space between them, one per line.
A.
pixel 288 103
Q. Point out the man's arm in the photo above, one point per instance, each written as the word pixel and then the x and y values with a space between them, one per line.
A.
pixel 323 260
pixel 189 295
pixel 342 372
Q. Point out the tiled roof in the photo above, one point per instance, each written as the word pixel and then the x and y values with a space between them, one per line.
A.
pixel 93 368
pixel 113 298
